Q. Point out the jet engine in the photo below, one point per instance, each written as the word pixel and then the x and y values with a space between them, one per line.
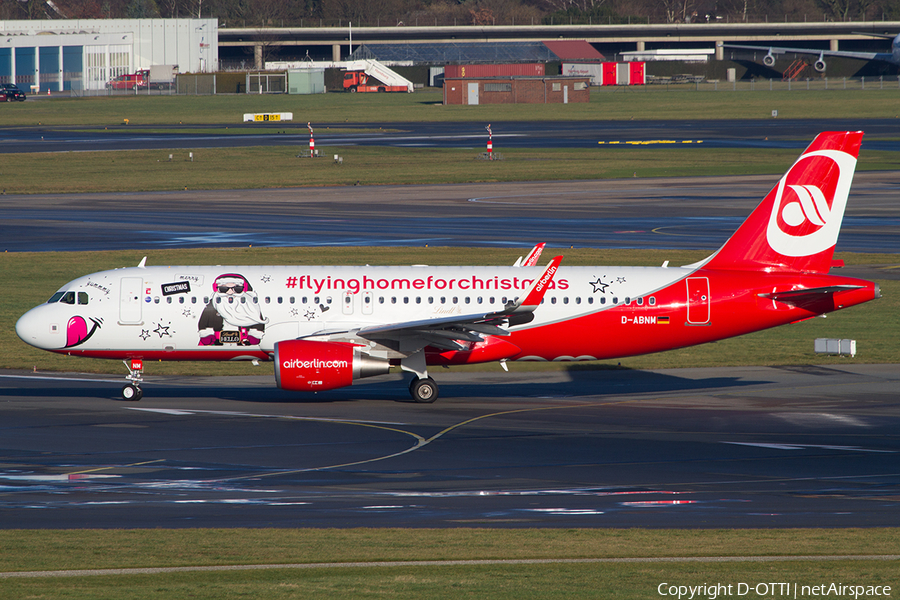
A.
pixel 769 60
pixel 819 66
pixel 307 366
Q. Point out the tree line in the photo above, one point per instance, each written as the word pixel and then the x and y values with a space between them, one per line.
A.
pixel 390 13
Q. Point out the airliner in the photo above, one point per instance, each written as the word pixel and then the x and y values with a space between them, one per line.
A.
pixel 892 57
pixel 328 327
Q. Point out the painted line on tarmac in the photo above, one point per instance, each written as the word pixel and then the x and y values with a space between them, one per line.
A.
pixel 440 563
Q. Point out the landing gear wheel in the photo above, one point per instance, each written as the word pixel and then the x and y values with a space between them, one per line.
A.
pixel 424 390
pixel 132 392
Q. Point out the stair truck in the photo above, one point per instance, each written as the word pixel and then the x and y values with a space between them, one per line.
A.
pixel 372 76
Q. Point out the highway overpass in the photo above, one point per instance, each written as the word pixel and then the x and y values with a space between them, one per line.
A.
pixel 252 45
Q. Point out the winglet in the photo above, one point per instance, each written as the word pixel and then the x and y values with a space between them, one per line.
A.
pixel 534 295
pixel 143 263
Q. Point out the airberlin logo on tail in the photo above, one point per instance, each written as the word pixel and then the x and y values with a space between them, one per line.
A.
pixel 809 203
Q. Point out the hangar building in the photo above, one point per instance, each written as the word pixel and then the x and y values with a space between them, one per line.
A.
pixel 82 55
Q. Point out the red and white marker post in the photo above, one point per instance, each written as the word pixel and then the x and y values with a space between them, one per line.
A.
pixel 312 142
pixel 490 143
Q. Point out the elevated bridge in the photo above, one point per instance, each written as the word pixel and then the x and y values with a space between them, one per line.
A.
pixel 252 45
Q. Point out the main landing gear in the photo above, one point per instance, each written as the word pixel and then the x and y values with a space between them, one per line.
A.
pixel 423 390
pixel 132 390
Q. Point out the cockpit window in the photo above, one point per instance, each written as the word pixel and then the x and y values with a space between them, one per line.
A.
pixel 55 297
pixel 68 298
pixel 82 298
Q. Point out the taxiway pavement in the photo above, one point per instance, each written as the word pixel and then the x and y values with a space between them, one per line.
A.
pixel 689 212
pixel 738 447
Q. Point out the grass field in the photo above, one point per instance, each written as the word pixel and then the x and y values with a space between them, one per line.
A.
pixel 48 550
pixel 275 167
pixel 426 105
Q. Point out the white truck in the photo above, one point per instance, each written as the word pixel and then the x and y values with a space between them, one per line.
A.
pixel 162 77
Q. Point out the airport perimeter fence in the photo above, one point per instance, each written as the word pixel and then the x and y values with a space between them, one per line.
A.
pixel 275 83
pixel 701 84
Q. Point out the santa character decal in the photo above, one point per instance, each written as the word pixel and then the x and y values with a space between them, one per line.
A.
pixel 233 314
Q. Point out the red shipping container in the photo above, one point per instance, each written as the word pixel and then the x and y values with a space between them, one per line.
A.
pixel 609 73
pixel 510 70
pixel 636 75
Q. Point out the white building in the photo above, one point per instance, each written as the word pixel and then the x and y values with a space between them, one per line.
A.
pixel 57 55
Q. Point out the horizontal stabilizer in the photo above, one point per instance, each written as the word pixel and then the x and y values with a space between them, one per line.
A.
pixel 805 295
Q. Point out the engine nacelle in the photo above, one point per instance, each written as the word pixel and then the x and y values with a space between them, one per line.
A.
pixel 819 66
pixel 307 366
pixel 769 60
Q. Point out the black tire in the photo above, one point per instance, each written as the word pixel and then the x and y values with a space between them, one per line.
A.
pixel 352 89
pixel 381 89
pixel 131 392
pixel 424 391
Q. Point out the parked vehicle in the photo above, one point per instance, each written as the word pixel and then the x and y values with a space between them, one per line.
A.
pixel 133 81
pixel 9 92
pixel 372 76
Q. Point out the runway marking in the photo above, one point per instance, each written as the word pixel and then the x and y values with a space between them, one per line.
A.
pixel 660 231
pixel 420 441
pixel 443 563
pixel 776 446
pixel 138 464
pixel 235 413
pixel 50 378
pixel 652 142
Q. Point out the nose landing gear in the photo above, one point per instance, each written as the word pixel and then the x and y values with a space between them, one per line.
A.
pixel 132 390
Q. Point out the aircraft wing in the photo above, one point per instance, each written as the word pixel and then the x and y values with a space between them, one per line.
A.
pixel 886 56
pixel 447 332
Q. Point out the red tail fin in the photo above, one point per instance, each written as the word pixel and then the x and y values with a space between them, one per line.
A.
pixel 796 226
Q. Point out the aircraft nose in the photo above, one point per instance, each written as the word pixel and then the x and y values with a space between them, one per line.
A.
pixel 35 328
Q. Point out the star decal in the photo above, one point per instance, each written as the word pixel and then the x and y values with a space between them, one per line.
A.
pixel 265 279
pixel 187 313
pixel 620 280
pixel 294 312
pixel 599 286
pixel 162 330
pixel 144 334
pixel 310 315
